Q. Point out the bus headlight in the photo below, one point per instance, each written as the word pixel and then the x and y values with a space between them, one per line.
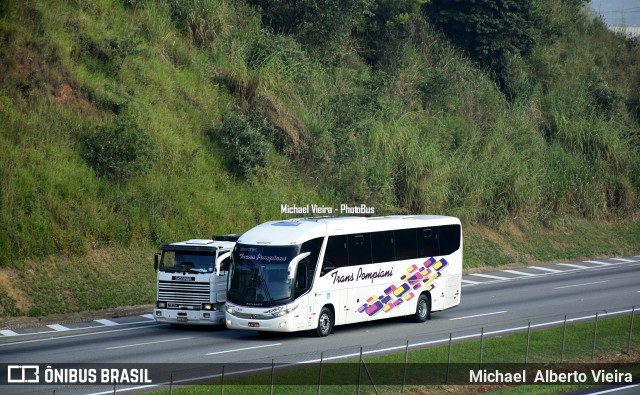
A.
pixel 229 310
pixel 282 312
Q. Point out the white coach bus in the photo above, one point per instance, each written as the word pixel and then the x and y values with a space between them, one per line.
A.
pixel 315 273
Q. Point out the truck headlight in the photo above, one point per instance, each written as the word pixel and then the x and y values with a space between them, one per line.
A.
pixel 207 306
pixel 162 305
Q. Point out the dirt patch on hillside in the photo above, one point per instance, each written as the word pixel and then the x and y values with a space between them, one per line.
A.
pixel 495 237
pixel 7 279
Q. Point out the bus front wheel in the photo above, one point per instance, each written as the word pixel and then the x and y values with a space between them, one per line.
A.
pixel 325 322
pixel 423 309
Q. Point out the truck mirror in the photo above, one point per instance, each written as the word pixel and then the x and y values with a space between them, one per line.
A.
pixel 291 270
pixel 155 261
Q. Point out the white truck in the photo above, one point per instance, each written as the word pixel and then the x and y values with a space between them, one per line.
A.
pixel 192 281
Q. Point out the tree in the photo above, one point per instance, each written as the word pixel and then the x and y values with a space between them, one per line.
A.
pixel 385 30
pixel 490 31
pixel 317 24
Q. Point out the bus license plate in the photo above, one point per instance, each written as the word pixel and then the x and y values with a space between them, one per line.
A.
pixel 254 325
pixel 182 319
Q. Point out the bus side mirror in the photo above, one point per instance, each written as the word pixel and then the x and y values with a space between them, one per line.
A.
pixel 293 265
pixel 219 261
pixel 155 261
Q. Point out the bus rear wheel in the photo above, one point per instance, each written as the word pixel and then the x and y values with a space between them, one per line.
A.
pixel 325 322
pixel 423 309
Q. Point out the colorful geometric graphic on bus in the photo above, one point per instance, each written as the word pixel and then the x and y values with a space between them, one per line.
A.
pixel 415 278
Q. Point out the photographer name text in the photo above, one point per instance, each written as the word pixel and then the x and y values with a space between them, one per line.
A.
pixel 316 209
pixel 548 376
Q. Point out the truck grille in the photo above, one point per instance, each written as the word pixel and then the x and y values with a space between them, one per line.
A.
pixel 179 294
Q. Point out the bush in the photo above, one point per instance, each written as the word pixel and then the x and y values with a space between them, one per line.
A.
pixel 320 25
pixel 489 31
pixel 8 307
pixel 386 30
pixel 244 139
pixel 117 150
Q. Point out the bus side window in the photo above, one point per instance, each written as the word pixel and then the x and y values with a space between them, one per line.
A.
pixel 336 254
pixel 428 243
pixel 382 246
pixel 359 249
pixel 313 246
pixel 449 239
pixel 406 245
pixel 302 278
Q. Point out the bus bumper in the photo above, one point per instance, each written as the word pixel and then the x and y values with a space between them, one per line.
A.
pixel 280 324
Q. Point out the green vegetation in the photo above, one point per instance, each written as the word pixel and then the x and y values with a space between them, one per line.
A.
pixel 126 124
pixel 506 352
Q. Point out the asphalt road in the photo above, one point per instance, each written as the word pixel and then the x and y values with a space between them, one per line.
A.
pixel 495 303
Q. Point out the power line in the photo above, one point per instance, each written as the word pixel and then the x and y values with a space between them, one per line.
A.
pixel 632 9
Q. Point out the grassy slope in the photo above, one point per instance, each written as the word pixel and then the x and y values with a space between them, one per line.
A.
pixel 552 176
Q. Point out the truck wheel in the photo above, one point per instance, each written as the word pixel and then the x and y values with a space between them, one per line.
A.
pixel 423 309
pixel 325 322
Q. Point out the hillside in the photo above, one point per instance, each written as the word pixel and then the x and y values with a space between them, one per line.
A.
pixel 126 124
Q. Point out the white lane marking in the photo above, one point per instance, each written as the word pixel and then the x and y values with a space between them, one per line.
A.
pixel 615 389
pixel 490 276
pixel 600 263
pixel 574 265
pixel 622 260
pixel 144 344
pixel 58 327
pixel 519 273
pixel 78 335
pixel 106 322
pixel 147 316
pixel 8 332
pixel 545 269
pixel 243 349
pixel 87 327
pixel 579 285
pixel 470 282
pixel 477 315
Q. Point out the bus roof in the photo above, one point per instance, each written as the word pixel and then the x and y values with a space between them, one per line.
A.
pixel 299 230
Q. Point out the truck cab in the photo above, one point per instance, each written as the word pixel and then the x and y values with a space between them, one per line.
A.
pixel 192 281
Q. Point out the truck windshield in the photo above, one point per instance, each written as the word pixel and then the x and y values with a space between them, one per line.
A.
pixel 187 261
pixel 258 275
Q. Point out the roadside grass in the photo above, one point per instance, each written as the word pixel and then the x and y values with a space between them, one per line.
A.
pixel 507 352
pixel 525 242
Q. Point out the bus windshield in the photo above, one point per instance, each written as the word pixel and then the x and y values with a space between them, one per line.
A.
pixel 187 261
pixel 258 275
